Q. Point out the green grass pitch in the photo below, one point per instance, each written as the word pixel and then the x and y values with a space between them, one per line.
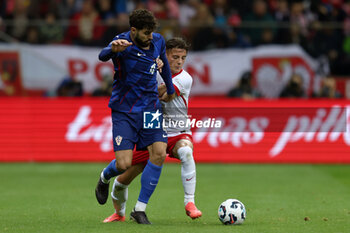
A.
pixel 41 197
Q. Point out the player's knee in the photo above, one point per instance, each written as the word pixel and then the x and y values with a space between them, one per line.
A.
pixel 159 155
pixel 159 150
pixel 122 166
pixel 183 143
pixel 185 153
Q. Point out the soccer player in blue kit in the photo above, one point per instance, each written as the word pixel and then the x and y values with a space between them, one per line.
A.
pixel 134 54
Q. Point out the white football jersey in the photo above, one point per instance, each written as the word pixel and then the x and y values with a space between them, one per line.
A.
pixel 175 112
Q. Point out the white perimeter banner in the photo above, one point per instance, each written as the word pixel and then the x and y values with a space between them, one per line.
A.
pixel 215 72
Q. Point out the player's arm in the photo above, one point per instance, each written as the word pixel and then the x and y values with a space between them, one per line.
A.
pixel 160 65
pixel 161 87
pixel 166 76
pixel 182 86
pixel 180 89
pixel 161 90
pixel 114 47
pixel 164 90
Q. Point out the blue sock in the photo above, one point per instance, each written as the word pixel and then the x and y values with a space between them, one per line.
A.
pixel 149 181
pixel 111 170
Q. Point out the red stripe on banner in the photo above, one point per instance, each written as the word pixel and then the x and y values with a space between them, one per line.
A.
pixel 80 129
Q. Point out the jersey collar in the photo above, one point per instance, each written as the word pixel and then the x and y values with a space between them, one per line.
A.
pixel 174 75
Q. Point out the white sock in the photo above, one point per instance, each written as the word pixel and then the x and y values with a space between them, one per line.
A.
pixel 120 194
pixel 104 180
pixel 140 206
pixel 188 172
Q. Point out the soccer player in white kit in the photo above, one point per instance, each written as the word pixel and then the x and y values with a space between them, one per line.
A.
pixel 180 144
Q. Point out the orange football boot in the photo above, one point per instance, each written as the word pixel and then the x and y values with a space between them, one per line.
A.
pixel 115 218
pixel 192 211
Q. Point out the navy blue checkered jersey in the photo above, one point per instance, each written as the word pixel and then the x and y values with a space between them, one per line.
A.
pixel 135 83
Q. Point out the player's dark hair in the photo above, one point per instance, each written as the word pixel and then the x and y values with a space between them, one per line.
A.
pixel 177 43
pixel 141 19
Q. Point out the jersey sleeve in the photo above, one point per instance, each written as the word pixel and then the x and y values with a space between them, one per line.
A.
pixel 166 73
pixel 159 79
pixel 182 84
pixel 106 53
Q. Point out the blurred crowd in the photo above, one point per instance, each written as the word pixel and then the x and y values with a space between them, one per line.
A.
pixel 294 88
pixel 321 27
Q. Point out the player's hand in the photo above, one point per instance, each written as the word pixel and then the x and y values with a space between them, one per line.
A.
pixel 160 64
pixel 120 45
pixel 166 98
pixel 161 90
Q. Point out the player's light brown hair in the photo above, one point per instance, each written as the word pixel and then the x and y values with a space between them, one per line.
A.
pixel 177 43
pixel 141 19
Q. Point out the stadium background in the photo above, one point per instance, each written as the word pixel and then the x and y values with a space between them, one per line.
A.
pixel 285 63
pixel 253 55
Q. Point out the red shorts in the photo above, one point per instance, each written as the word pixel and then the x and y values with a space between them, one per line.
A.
pixel 143 156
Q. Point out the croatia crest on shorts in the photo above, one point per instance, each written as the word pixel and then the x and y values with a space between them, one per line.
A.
pixel 152 120
pixel 118 139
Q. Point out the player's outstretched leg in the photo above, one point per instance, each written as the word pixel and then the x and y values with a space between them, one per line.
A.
pixel 188 176
pixel 119 195
pixel 149 181
pixel 119 192
pixel 102 187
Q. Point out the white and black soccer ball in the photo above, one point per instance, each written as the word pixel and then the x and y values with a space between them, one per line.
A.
pixel 232 211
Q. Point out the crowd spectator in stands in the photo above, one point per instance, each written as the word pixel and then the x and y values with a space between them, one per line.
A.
pixel 20 19
pixel 220 11
pixel 3 9
pixel 70 88
pixel 328 89
pixel 295 36
pixel 167 12
pixel 222 32
pixel 261 29
pixel 208 29
pixel 237 39
pixel 164 9
pixel 37 9
pixel 294 88
pixel 299 17
pixel 258 23
pixel 105 9
pixel 68 8
pixel 321 27
pixel 106 86
pixel 51 32
pixel 244 89
pixel 281 15
pixel 121 6
pixel 200 28
pixel 281 11
pixel 86 27
pixel 32 35
pixel 324 41
pixel 114 26
pixel 242 7
pixel 187 10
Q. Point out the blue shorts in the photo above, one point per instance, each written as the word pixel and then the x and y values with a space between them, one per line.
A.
pixel 129 130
